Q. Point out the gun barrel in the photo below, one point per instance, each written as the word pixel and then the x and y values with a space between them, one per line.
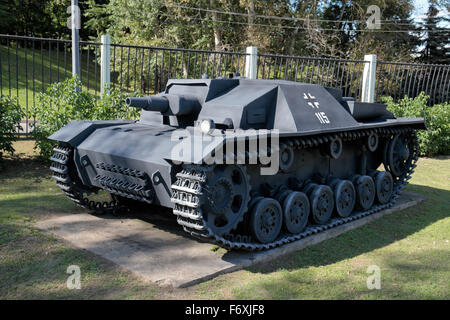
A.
pixel 151 103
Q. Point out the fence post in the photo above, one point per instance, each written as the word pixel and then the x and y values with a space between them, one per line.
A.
pixel 251 62
pixel 105 73
pixel 75 16
pixel 369 77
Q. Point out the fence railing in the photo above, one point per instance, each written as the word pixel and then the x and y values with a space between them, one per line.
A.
pixel 337 73
pixel 29 65
pixel 147 69
pixel 397 79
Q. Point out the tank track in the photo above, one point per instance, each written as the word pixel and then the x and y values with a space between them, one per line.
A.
pixel 61 167
pixel 140 191
pixel 188 189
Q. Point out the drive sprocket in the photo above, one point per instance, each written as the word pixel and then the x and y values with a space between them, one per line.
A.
pixel 222 195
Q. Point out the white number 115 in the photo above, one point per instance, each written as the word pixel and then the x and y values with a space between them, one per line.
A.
pixel 322 117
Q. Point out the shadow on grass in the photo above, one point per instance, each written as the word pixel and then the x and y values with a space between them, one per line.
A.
pixel 34 266
pixel 57 203
pixel 408 272
pixel 376 234
pixel 26 168
pixel 400 279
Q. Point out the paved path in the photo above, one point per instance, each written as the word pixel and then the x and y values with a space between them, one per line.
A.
pixel 154 247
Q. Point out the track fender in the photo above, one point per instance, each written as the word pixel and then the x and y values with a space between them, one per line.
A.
pixel 77 131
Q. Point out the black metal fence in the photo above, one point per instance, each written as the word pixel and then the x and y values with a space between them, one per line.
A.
pixel 29 65
pixel 397 79
pixel 337 73
pixel 146 69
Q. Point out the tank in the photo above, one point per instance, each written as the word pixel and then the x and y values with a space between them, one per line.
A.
pixel 246 164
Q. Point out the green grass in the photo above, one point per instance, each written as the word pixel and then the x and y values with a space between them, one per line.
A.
pixel 32 263
pixel 49 67
pixel 411 247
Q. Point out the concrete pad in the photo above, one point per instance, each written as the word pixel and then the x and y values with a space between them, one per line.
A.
pixel 154 246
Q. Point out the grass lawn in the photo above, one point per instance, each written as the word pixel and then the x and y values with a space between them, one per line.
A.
pixel 411 248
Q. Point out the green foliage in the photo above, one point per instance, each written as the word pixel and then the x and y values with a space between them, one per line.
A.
pixel 436 139
pixel 43 18
pixel 205 24
pixel 10 116
pixel 112 106
pixel 63 102
pixel 200 24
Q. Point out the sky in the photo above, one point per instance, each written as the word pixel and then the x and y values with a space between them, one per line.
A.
pixel 421 8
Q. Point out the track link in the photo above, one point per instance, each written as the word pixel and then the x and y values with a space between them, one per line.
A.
pixel 62 166
pixel 188 188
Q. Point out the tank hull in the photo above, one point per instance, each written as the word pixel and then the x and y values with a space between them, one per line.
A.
pixel 208 155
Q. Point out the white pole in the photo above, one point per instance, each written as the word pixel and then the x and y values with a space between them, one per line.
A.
pixel 369 77
pixel 75 13
pixel 105 73
pixel 251 62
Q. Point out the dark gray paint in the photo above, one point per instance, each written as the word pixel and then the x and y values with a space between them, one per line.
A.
pixel 248 104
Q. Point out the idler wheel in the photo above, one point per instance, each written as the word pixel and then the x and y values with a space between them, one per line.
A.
pixel 398 155
pixel 286 157
pixel 266 220
pixel 322 204
pixel 365 191
pixel 385 186
pixel 296 212
pixel 344 197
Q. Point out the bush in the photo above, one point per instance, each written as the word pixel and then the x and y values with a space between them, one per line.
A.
pixel 62 103
pixel 10 116
pixel 436 139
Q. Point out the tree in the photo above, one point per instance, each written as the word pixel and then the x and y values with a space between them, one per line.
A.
pixel 25 17
pixel 437 39
pixel 334 28
pixel 5 17
pixel 40 18
pixel 354 40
